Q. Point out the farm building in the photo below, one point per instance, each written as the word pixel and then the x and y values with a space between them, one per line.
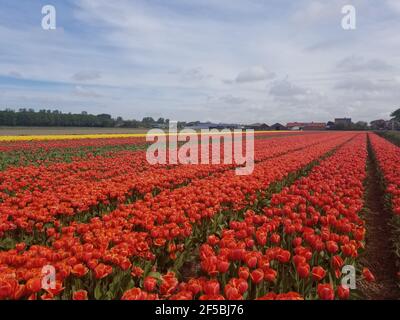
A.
pixel 278 126
pixel 306 126
pixel 258 126
pixel 385 125
pixel 343 121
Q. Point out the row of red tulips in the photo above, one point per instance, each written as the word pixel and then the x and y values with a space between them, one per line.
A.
pixel 68 143
pixel 388 159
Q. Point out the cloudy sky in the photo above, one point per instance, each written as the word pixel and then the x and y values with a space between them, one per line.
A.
pixel 219 60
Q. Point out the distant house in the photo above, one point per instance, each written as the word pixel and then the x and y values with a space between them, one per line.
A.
pixel 230 126
pixel 392 125
pixel 343 121
pixel 315 126
pixel 379 124
pixel 278 127
pixel 258 126
pixel 199 126
pixel 160 125
pixel 385 125
pixel 306 125
pixel 330 125
pixel 294 125
pixel 210 125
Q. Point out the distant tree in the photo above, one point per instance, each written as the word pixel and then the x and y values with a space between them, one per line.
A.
pixel 361 125
pixel 50 118
pixel 147 121
pixel 104 116
pixel 396 115
pixel 378 124
pixel 182 124
pixel 160 121
pixel 46 118
pixel 105 120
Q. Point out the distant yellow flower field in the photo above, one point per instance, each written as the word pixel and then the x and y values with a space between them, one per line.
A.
pixel 69 136
pixel 92 136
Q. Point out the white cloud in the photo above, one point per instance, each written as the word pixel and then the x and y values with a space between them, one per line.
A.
pixel 230 99
pixel 284 88
pixel 357 63
pixel 256 73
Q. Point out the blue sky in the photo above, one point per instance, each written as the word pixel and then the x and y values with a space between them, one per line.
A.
pixel 219 60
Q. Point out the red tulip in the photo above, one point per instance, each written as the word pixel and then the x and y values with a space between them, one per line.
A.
pixel 275 238
pixel 137 272
pixel 297 242
pixel 270 274
pixel 101 271
pixel 283 256
pixel 318 273
pixel 168 284
pixel 79 270
pixel 257 276
pixel 194 286
pixel 241 285
pixel 211 288
pixel 34 285
pixel 332 247
pixel 7 287
pixel 343 292
pixel 251 261
pixel 80 295
pixel 368 275
pixel 303 270
pixel 223 266
pixel 232 293
pixel 244 273
pixel 298 259
pixel 150 284
pixel 20 246
pixel 325 292
pixel 134 294
pixel 337 262
pixel 182 295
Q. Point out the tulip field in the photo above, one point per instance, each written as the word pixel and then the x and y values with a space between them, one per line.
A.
pixel 112 226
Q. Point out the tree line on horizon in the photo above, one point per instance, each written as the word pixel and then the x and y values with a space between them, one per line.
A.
pixel 55 118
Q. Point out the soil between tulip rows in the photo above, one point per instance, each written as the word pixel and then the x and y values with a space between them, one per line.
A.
pixel 378 255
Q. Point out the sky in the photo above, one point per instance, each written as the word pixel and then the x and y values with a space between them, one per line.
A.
pixel 241 61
